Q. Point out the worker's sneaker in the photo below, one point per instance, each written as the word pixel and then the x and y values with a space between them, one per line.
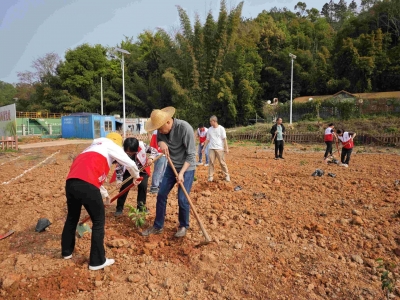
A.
pixel 206 165
pixel 67 257
pixel 109 262
pixel 181 232
pixel 152 230
pixel 210 179
pixel 118 213
pixel 153 190
pixel 199 163
pixel 227 178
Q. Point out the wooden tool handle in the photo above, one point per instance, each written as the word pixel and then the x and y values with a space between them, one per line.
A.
pixel 116 197
pixel 207 237
pixel 140 170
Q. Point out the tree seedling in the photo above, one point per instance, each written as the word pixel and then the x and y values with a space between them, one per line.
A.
pixel 137 216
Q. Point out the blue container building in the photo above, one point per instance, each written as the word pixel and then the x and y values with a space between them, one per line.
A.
pixel 86 125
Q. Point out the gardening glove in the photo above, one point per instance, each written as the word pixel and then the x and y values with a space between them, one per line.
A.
pixel 103 192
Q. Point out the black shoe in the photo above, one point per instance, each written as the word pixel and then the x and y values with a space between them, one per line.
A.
pixel 280 157
pixel 118 213
pixel 143 209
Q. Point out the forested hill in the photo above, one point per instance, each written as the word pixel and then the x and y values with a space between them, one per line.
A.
pixel 227 66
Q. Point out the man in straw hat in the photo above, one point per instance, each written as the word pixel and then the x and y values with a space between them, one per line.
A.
pixel 176 140
pixel 85 178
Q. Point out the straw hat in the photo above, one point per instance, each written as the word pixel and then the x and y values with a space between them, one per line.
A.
pixel 115 137
pixel 158 118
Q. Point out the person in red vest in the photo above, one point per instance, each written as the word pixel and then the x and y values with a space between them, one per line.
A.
pixel 328 138
pixel 202 135
pixel 87 174
pixel 159 166
pixel 347 139
pixel 137 151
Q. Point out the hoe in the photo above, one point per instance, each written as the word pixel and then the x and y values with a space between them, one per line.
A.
pixel 206 236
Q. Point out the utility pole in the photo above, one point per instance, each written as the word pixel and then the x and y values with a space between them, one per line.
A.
pixel 293 57
pixel 101 85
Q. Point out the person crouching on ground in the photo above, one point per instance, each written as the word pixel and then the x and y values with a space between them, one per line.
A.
pixel 87 174
pixel 347 139
pixel 277 132
pixel 136 150
pixel 176 140
pixel 328 138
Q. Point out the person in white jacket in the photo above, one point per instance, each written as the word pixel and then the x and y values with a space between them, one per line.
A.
pixel 87 174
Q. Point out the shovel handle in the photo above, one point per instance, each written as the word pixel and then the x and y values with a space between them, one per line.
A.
pixel 207 237
pixel 114 198
pixel 274 137
pixel 140 170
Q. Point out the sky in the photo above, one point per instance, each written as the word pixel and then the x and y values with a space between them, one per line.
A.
pixel 31 28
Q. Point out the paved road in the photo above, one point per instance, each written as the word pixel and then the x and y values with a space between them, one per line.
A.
pixel 54 143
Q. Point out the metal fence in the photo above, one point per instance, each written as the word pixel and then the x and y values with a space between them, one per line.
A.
pixel 38 130
pixel 387 139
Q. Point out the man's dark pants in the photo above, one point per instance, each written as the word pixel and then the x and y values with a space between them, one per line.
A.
pixel 142 191
pixel 279 148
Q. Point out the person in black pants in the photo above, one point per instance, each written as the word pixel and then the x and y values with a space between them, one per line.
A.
pixel 83 187
pixel 347 139
pixel 328 138
pixel 136 150
pixel 277 132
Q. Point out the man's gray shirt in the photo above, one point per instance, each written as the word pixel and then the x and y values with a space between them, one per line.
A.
pixel 181 144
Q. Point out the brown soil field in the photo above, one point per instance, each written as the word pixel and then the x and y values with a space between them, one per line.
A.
pixel 284 235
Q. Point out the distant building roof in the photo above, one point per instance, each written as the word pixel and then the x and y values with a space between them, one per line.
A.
pixel 395 94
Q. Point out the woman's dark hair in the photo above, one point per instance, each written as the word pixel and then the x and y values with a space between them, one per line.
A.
pixel 331 124
pixel 201 125
pixel 338 131
pixel 131 144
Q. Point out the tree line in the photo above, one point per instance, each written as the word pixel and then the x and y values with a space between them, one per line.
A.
pixel 228 66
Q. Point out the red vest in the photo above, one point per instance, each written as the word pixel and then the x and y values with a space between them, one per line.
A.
pixel 348 145
pixel 91 167
pixel 328 137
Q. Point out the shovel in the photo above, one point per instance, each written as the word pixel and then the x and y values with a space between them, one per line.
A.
pixel 130 177
pixel 207 237
pixel 83 228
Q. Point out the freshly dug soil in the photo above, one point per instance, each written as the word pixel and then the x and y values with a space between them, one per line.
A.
pixel 284 235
